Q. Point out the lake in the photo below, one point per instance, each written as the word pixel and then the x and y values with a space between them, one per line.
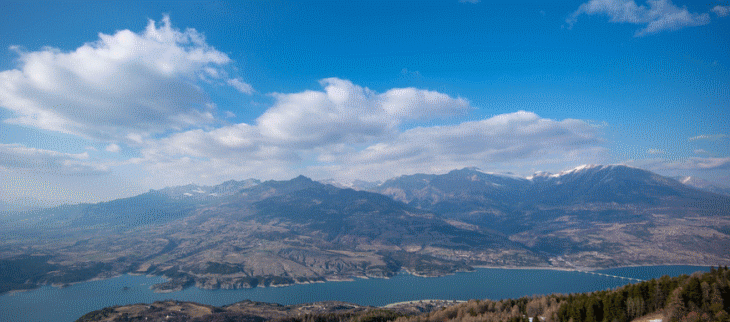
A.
pixel 69 303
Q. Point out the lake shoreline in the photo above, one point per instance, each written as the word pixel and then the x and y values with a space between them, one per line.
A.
pixel 351 278
pixel 588 269
pixel 483 283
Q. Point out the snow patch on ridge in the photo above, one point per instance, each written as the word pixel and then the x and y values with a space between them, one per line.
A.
pixel 576 170
pixel 508 175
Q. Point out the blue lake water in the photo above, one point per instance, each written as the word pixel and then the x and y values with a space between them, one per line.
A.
pixel 69 303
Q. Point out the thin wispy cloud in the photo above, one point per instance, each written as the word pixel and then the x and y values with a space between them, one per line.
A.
pixel 656 16
pixel 709 137
pixel 113 148
pixel 520 138
pixel 412 73
pixel 241 86
pixel 692 164
pixel 654 151
pixel 721 11
pixel 696 163
pixel 20 157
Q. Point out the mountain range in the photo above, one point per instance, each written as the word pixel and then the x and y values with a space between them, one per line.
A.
pixel 705 185
pixel 250 233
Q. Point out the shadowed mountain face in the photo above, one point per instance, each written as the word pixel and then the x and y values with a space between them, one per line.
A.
pixel 349 217
pixel 608 184
pixel 592 215
pixel 587 184
pixel 461 194
pixel 248 233
pixel 473 195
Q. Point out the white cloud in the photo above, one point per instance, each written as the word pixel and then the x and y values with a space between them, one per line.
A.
pixel 410 73
pixel 240 86
pixel 702 164
pixel 343 113
pixel 344 131
pixel 114 148
pixel 659 16
pixel 239 140
pixel 520 139
pixel 709 137
pixel 348 113
pixel 721 11
pixel 654 151
pixel 17 156
pixel 686 165
pixel 122 84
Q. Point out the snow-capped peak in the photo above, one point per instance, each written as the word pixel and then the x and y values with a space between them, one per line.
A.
pixel 579 169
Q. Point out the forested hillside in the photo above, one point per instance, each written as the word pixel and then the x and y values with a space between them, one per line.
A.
pixel 700 297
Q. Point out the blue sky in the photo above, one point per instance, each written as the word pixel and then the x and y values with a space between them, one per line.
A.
pixel 110 99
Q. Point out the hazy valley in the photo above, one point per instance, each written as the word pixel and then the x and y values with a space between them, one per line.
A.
pixel 242 234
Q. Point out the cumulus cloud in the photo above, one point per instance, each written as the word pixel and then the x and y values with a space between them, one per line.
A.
pixel 327 149
pixel 343 130
pixel 124 83
pixel 348 113
pixel 344 113
pixel 721 11
pixel 659 16
pixel 17 156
